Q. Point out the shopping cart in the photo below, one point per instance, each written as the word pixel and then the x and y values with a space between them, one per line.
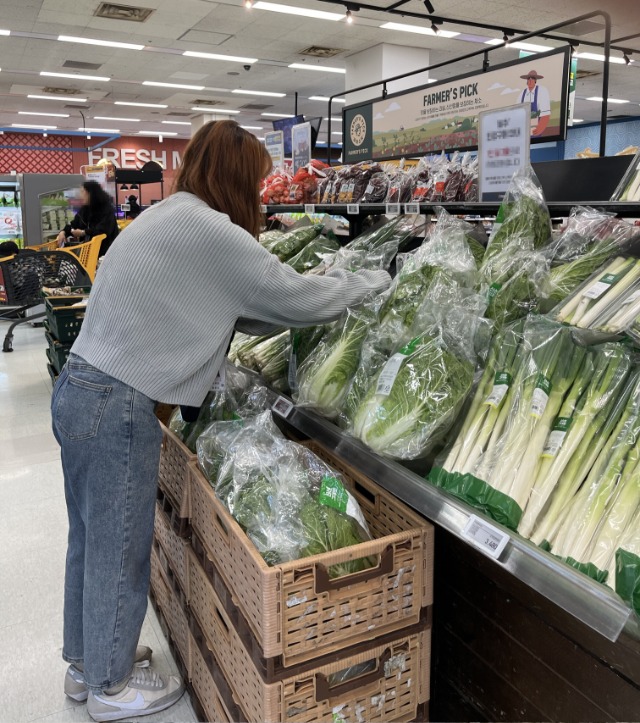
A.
pixel 88 253
pixel 23 277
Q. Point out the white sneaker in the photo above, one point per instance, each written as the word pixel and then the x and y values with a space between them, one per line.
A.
pixel 75 685
pixel 146 692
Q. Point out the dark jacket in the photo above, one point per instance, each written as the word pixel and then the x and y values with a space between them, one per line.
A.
pixel 102 222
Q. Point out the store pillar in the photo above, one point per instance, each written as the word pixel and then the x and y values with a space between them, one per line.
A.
pixel 201 120
pixel 385 61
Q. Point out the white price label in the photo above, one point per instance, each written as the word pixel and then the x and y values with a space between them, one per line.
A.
pixel 596 290
pixel 309 208
pixel 539 400
pixel 393 208
pixel 353 209
pixel 485 536
pixel 555 441
pixel 411 208
pixel 282 407
pixel 220 382
pixel 388 374
pixel 263 208
pixel 498 393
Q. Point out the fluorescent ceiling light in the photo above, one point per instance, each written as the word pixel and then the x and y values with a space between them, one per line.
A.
pixel 5 32
pixel 259 92
pixel 99 130
pixel 156 133
pixel 40 128
pixel 173 85
pixel 336 133
pixel 324 68
pixel 253 128
pixel 321 143
pixel 597 56
pixel 59 98
pixel 100 78
pixel 520 46
pixel 216 56
pixel 420 30
pixel 277 115
pixel 49 115
pixel 578 120
pixel 326 99
pixel 176 123
pixel 112 118
pixel 291 10
pixel 261 139
pixel 140 105
pixel 214 109
pixel 334 120
pixel 597 99
pixel 105 43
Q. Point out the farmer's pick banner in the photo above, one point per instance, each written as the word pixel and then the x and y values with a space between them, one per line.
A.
pixel 444 116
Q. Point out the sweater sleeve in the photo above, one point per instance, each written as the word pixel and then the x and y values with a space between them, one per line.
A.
pixel 287 298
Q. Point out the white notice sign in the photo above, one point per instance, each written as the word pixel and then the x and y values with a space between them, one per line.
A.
pixel 503 148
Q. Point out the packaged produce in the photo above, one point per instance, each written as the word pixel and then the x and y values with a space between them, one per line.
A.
pixel 276 188
pixel 293 241
pixel 304 184
pixel 377 188
pixel 400 187
pixel 288 501
pixel 314 254
pixel 356 182
pixel 624 573
pixel 629 187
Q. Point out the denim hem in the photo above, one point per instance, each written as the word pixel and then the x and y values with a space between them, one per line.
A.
pixel 72 661
pixel 106 686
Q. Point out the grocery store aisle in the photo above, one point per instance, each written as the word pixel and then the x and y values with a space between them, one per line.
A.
pixel 33 531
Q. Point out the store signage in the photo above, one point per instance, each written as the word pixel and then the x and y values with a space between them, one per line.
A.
pixel 274 143
pixel 135 158
pixel 504 138
pixel 444 116
pixel 301 145
pixel 573 78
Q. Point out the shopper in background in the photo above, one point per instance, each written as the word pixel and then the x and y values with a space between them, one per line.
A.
pixel 165 304
pixel 95 217
pixel 134 207
pixel 8 248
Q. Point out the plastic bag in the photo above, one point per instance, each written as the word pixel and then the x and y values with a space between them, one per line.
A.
pixel 314 254
pixel 377 188
pixel 294 241
pixel 276 188
pixel 400 187
pixel 290 503
pixel 626 568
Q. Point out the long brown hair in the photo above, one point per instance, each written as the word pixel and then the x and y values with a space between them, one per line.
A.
pixel 223 166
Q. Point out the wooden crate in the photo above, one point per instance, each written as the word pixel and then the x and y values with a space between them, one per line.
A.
pixel 174 547
pixel 294 609
pixel 394 690
pixel 173 473
pixel 172 605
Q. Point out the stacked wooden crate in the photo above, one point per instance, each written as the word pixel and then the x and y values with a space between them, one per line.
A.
pixel 289 642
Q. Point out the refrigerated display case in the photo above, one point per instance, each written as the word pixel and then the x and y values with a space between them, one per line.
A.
pixel 10 210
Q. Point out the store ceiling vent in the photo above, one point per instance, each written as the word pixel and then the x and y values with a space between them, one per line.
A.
pixel 177 114
pixel 255 106
pixel 75 106
pixel 131 13
pixel 52 90
pixel 584 27
pixel 79 65
pixel 205 101
pixel 317 51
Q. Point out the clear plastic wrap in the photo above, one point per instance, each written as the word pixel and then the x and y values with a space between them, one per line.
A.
pixel 293 241
pixel 377 188
pixel 625 569
pixel 324 378
pixel 290 503
pixel 400 187
pixel 314 254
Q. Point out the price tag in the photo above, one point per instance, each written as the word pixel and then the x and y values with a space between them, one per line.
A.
pixel 485 536
pixel 263 208
pixel 540 396
pixel 501 384
pixel 411 208
pixel 556 437
pixel 282 407
pixel 393 209
pixel 220 382
pixel 309 208
pixel 388 374
pixel 596 290
pixel 353 209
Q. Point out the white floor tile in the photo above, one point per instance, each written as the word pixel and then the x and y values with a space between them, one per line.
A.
pixel 33 544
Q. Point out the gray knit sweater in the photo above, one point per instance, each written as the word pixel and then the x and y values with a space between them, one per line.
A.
pixel 174 284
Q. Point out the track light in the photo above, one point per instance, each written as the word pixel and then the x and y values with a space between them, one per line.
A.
pixel 505 39
pixel 435 29
pixel 349 17
pixel 124 187
pixel 248 4
pixel 626 57
pixel 429 7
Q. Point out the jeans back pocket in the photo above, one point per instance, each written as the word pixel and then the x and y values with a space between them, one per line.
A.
pixel 78 407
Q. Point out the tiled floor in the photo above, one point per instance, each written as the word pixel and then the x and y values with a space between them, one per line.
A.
pixel 33 529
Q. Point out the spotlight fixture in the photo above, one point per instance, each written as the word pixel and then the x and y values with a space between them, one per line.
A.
pixel 124 187
pixel 349 17
pixel 429 7
pixel 505 39
pixel 248 4
pixel 435 28
pixel 134 186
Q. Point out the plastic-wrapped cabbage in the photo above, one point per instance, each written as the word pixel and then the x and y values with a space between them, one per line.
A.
pixel 314 254
pixel 290 503
pixel 325 376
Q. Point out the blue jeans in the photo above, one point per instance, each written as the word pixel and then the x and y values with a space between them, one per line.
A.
pixel 110 447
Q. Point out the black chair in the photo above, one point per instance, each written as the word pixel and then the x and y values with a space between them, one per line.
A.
pixel 23 277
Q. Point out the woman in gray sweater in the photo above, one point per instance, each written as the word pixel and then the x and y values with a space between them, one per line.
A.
pixel 166 301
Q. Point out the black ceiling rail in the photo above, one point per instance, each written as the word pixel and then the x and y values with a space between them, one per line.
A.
pixel 441 19
pixel 484 52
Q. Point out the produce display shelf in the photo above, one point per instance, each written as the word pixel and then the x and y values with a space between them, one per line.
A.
pixel 590 602
pixel 628 210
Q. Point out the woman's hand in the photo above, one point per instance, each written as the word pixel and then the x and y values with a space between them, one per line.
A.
pixel 61 238
pixel 77 232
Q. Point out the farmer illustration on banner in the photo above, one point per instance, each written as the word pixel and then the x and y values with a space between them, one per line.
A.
pixel 538 97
